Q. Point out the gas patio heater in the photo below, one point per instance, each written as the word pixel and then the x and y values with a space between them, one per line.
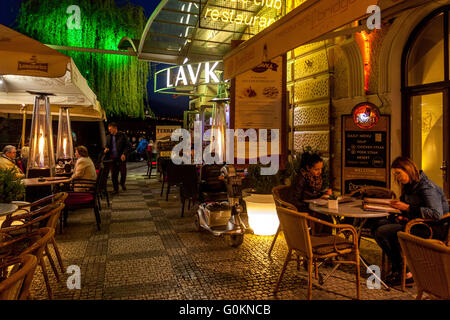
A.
pixel 41 161
pixel 64 143
pixel 219 126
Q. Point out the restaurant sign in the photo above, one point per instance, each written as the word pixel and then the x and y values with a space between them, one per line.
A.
pixel 183 78
pixel 365 148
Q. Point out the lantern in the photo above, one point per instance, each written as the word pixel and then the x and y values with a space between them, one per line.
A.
pixel 219 126
pixel 41 161
pixel 64 144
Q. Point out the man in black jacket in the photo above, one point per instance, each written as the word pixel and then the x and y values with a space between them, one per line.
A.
pixel 117 147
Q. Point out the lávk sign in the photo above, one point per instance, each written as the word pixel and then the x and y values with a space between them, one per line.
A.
pixel 187 75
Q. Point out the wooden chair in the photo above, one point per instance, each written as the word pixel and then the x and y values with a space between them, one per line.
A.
pixel 82 194
pixel 30 243
pixel 313 248
pixel 279 194
pixel 16 285
pixel 445 221
pixel 429 261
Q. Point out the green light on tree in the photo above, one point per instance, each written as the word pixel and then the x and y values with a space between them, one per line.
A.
pixel 120 82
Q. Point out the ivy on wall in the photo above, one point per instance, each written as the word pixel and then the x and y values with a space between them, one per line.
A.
pixel 120 82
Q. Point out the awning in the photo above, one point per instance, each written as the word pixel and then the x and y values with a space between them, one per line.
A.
pixel 180 29
pixel 27 65
pixel 306 23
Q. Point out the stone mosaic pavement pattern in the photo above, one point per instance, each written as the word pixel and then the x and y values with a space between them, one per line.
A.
pixel 145 250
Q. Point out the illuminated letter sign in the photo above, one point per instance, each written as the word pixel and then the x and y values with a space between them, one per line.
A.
pixel 183 77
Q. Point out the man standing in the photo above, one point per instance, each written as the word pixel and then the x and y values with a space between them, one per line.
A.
pixel 117 146
pixel 8 160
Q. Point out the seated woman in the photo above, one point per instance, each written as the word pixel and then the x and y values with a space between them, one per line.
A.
pixel 84 167
pixel 309 184
pixel 420 198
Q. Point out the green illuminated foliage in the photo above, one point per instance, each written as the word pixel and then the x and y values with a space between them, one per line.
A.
pixel 120 82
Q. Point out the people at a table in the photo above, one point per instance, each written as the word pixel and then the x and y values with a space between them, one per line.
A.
pixel 84 167
pixel 117 147
pixel 420 198
pixel 8 160
pixel 309 184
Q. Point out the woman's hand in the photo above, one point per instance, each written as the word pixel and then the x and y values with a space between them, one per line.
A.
pixel 399 205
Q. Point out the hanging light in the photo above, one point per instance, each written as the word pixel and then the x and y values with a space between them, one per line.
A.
pixel 41 161
pixel 64 143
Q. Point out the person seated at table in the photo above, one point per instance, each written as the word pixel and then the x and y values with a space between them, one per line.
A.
pixel 420 198
pixel 84 167
pixel 307 185
pixel 8 161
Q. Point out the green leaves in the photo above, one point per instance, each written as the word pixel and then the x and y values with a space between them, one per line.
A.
pixel 261 183
pixel 11 188
pixel 120 82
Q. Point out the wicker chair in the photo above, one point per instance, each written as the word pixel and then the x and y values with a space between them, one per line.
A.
pixel 429 261
pixel 445 220
pixel 279 195
pixel 16 286
pixel 33 243
pixel 313 248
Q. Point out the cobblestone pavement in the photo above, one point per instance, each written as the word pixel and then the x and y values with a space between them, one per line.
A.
pixel 145 250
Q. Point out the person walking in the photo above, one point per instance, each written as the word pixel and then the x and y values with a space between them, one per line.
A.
pixel 117 147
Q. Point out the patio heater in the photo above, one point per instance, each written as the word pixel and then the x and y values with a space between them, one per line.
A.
pixel 64 143
pixel 219 126
pixel 41 160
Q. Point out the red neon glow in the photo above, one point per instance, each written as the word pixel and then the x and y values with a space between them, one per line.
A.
pixel 366 59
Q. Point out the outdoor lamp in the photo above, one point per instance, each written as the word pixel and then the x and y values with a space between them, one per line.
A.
pixel 41 161
pixel 219 126
pixel 64 143
pixel 262 214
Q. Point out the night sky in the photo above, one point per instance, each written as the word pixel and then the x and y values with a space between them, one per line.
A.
pixel 163 105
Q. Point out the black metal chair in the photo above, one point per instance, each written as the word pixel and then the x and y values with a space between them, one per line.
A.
pixel 162 166
pixel 151 163
pixel 189 189
pixel 211 188
pixel 102 190
pixel 82 194
pixel 174 175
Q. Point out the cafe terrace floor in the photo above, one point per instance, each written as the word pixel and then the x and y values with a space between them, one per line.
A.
pixel 145 250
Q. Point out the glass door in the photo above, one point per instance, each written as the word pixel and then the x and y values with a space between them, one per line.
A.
pixel 429 142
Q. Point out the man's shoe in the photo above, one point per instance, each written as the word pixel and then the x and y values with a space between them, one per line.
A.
pixel 397 281
pixel 124 188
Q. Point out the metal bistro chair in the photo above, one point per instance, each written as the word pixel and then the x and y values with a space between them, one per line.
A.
pixel 151 163
pixel 279 193
pixel 174 176
pixel 102 189
pixel 313 248
pixel 16 285
pixel 429 261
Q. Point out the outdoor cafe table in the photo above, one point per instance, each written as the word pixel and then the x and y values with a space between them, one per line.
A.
pixel 352 209
pixel 7 208
pixel 46 181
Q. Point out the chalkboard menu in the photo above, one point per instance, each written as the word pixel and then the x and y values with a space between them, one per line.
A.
pixel 365 154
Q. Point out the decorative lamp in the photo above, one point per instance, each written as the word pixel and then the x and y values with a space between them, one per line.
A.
pixel 64 143
pixel 262 214
pixel 219 126
pixel 41 161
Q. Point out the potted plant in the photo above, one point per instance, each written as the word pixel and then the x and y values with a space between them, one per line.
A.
pixel 333 201
pixel 11 188
pixel 261 211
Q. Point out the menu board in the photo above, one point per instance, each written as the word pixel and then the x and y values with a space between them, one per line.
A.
pixel 259 100
pixel 365 154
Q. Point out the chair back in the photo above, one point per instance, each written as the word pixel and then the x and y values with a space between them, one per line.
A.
pixel 174 173
pixel 16 285
pixel 33 218
pixel 102 177
pixel 189 181
pixel 281 197
pixel 373 192
pixel 429 261
pixel 295 228
pixel 209 175
pixel 37 248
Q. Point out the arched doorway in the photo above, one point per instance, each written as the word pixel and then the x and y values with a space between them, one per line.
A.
pixel 425 92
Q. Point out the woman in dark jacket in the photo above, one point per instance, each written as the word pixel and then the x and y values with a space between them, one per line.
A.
pixel 420 198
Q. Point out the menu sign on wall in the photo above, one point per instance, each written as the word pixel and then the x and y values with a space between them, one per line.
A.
pixel 259 100
pixel 365 154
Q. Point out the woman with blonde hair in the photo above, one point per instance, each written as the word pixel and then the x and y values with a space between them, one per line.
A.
pixel 420 198
pixel 84 167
